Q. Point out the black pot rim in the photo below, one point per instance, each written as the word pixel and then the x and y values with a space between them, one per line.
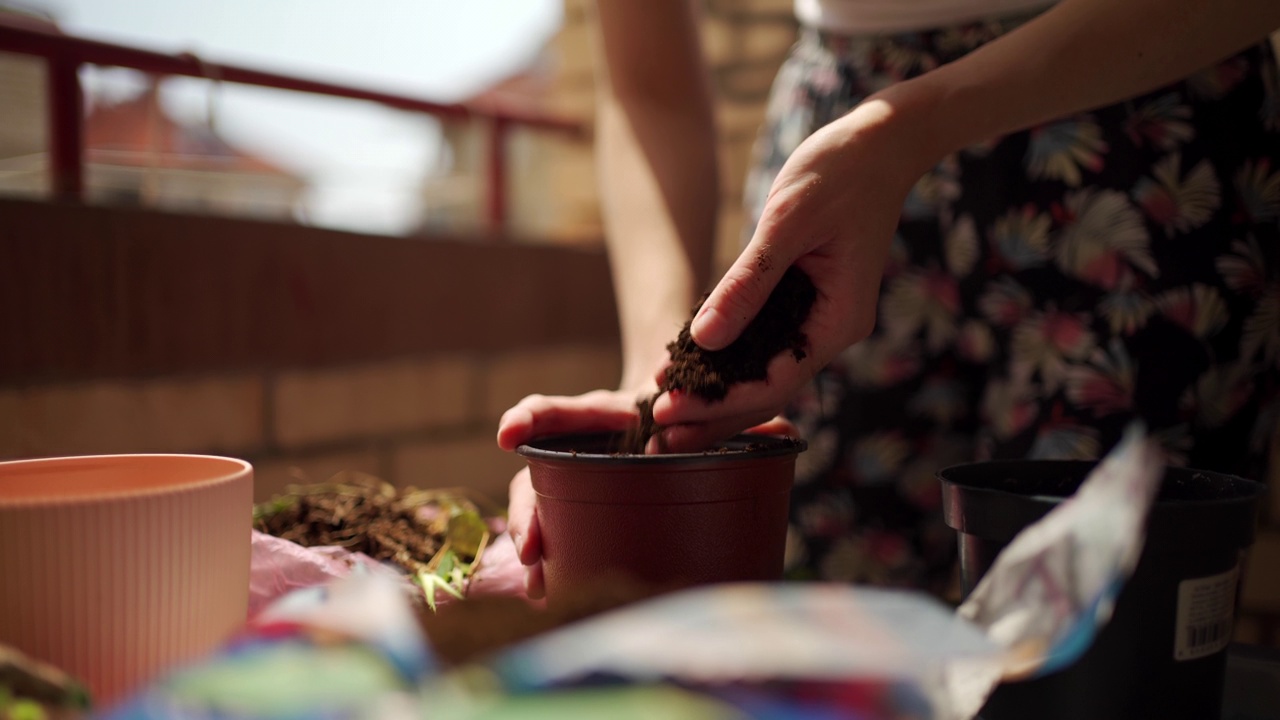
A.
pixel 1187 525
pixel 1251 489
pixel 739 447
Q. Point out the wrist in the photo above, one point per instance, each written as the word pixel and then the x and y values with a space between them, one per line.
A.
pixel 908 121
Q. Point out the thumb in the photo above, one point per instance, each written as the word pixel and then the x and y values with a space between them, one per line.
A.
pixel 738 297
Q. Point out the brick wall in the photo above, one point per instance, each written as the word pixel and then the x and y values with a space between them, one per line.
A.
pixel 129 331
pixel 427 421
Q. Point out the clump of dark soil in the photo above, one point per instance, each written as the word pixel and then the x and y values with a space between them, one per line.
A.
pixel 710 373
pixel 776 329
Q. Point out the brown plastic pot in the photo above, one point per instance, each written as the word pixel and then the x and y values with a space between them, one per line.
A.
pixel 653 523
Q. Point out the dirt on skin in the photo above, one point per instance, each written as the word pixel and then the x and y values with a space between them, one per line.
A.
pixel 710 373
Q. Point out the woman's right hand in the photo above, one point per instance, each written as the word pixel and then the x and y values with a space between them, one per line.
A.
pixel 540 416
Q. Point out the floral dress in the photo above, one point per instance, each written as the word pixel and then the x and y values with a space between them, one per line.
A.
pixel 1044 289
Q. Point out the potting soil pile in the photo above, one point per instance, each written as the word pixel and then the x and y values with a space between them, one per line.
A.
pixel 434 537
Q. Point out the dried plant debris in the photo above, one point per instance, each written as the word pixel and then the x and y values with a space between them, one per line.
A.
pixel 33 689
pixel 435 536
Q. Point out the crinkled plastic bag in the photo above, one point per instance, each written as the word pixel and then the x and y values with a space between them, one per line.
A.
pixel 278 567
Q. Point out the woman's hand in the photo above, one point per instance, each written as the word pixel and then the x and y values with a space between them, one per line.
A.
pixel 832 212
pixel 540 416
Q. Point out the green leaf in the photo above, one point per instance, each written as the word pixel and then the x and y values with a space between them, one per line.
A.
pixel 26 710
pixel 467 531
pixel 448 560
pixel 431 582
pixel 262 511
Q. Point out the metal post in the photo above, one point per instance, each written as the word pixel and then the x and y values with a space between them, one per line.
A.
pixel 66 129
pixel 497 179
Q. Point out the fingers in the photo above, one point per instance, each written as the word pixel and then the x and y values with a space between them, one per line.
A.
pixel 534 586
pixel 526 534
pixel 522 521
pixel 697 437
pixel 541 415
pixel 737 298
pixel 757 401
pixel 743 290
pixel 777 425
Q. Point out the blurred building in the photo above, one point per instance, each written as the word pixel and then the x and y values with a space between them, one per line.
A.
pixel 549 182
pixel 136 153
pixel 744 42
pixel 552 182
pixel 23 130
pixel 139 155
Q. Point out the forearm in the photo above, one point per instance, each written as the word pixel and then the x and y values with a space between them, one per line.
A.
pixel 658 174
pixel 1079 55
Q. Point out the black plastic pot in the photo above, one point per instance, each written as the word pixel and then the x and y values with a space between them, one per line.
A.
pixel 1149 661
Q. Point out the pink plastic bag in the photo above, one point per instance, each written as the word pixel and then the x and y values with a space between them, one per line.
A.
pixel 279 566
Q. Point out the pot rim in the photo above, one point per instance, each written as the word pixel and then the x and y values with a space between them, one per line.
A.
pixel 1251 490
pixel 740 447
pixel 232 470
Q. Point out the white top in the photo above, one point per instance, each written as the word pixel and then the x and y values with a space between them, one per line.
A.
pixel 851 17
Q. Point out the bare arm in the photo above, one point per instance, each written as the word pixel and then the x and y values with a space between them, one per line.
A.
pixel 1079 55
pixel 833 208
pixel 658 184
pixel 655 146
pixel 658 175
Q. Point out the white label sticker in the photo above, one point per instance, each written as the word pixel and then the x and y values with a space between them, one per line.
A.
pixel 1206 609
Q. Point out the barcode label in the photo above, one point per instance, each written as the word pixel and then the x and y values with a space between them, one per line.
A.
pixel 1208 635
pixel 1206 609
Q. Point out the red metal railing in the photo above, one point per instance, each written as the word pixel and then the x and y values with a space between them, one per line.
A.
pixel 64 54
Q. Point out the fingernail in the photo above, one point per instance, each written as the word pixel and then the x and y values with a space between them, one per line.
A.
pixel 707 328
pixel 518 540
pixel 657 444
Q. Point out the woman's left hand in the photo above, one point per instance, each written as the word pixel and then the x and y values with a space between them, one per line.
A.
pixel 832 212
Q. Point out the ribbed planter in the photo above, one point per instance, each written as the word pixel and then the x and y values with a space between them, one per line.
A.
pixel 119 568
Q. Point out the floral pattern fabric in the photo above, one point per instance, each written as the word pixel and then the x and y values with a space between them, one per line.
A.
pixel 1044 289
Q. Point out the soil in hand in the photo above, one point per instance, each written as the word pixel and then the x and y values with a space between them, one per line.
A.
pixel 776 329
pixel 710 373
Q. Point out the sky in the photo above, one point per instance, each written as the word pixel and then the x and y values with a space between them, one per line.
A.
pixel 363 160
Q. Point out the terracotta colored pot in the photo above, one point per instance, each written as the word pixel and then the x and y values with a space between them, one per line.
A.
pixel 660 522
pixel 118 568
